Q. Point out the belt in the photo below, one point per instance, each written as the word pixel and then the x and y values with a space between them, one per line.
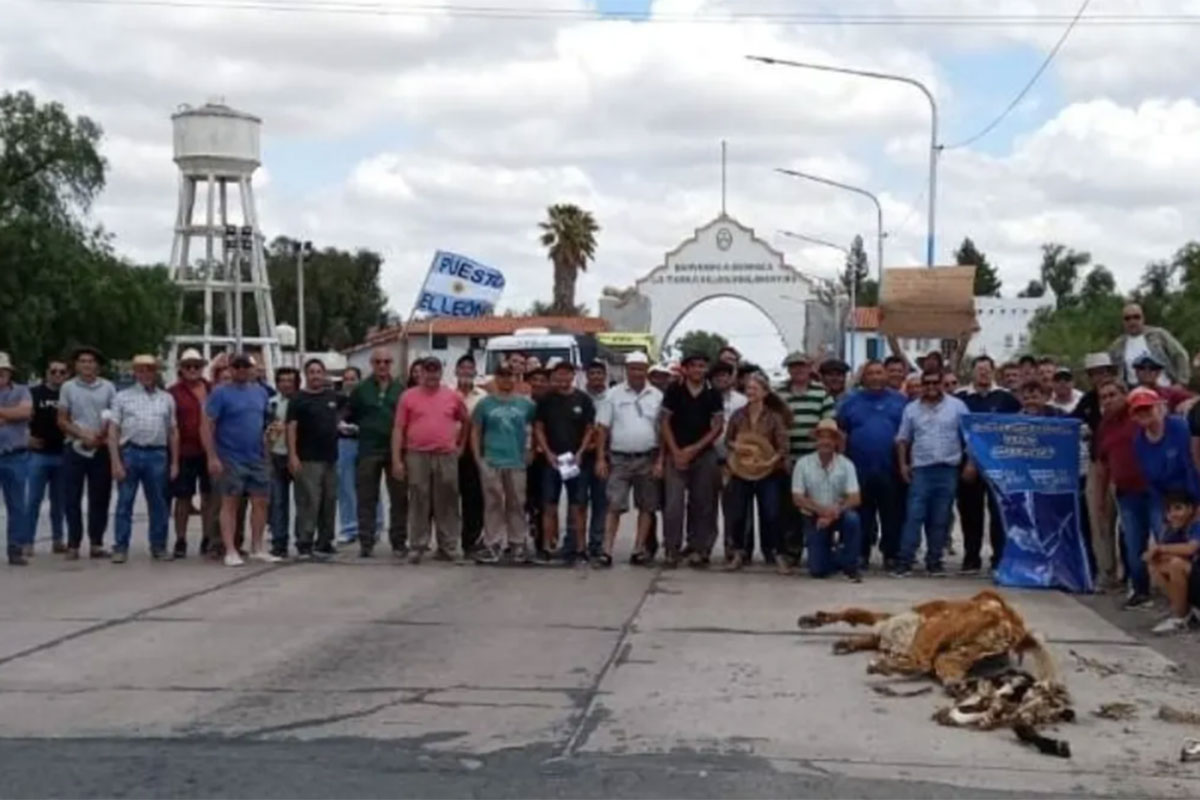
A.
pixel 634 455
pixel 145 446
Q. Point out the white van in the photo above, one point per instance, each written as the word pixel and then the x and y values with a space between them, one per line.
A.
pixel 537 342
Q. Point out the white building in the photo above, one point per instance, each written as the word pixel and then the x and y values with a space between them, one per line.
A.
pixel 448 339
pixel 1003 331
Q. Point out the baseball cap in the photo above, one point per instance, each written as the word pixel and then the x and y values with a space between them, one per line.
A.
pixel 241 361
pixel 1063 372
pixel 796 357
pixel 636 357
pixel 662 369
pixel 1142 397
pixel 1147 361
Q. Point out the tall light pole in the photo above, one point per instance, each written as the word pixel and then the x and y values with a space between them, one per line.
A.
pixel 879 234
pixel 934 147
pixel 301 249
pixel 853 286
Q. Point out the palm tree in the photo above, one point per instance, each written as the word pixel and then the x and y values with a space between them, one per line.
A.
pixel 569 235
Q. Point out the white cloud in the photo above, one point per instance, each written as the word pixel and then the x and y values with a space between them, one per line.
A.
pixel 496 120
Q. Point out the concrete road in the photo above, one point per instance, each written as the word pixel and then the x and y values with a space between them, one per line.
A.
pixel 372 678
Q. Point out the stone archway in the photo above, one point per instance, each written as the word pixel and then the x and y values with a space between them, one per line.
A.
pixel 676 330
pixel 725 259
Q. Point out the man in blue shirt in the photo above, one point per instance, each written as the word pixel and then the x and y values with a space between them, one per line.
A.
pixel 983 396
pixel 871 416
pixel 234 421
pixel 1163 447
pixel 929 430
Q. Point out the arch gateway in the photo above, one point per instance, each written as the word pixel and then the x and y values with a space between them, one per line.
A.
pixel 725 259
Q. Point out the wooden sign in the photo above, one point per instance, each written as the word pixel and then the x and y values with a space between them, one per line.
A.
pixel 928 302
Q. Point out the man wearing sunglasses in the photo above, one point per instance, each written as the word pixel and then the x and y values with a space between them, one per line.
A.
pixel 46 453
pixel 929 451
pixel 1140 339
pixel 190 393
pixel 372 407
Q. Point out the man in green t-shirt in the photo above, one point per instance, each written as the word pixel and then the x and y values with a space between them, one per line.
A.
pixel 372 407
pixel 501 444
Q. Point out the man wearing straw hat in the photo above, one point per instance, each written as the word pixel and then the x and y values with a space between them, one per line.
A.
pixel 16 407
pixel 825 489
pixel 143 443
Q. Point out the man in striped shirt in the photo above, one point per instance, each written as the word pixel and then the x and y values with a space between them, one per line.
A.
pixel 809 404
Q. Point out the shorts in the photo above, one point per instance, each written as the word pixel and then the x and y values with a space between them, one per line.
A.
pixel 552 486
pixel 633 472
pixel 239 479
pixel 193 474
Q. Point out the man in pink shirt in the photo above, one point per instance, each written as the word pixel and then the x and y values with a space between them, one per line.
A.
pixel 431 427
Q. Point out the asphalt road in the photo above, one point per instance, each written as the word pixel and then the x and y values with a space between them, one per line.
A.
pixel 373 679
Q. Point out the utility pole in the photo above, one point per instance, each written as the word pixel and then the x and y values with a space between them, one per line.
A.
pixel 301 249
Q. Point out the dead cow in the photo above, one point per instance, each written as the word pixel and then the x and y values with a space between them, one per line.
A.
pixel 942 638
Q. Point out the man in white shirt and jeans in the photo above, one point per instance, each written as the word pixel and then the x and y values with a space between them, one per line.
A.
pixel 629 429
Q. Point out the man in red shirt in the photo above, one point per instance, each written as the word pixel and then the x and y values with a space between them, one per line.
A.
pixel 1117 464
pixel 431 429
pixel 190 393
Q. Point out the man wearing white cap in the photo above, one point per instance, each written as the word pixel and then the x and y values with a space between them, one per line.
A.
pixel 629 431
pixel 16 407
pixel 143 444
pixel 190 393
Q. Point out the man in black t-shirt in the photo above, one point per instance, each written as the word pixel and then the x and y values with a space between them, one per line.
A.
pixel 312 434
pixel 563 425
pixel 46 447
pixel 693 418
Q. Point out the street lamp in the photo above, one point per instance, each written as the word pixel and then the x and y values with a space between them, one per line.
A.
pixel 934 147
pixel 879 234
pixel 853 298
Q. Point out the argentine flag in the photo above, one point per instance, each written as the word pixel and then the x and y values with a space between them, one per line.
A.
pixel 459 287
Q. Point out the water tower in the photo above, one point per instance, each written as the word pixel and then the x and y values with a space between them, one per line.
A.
pixel 217 254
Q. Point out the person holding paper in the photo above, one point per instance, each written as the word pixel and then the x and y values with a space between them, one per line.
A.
pixel 564 430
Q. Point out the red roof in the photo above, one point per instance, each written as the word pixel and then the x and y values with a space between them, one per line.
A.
pixel 866 318
pixel 488 326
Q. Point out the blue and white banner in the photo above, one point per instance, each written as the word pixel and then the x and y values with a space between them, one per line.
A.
pixel 459 287
pixel 1031 465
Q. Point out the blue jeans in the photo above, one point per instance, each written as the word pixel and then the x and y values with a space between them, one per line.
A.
pixel 822 559
pixel 46 471
pixel 13 469
pixel 593 492
pixel 146 467
pixel 1141 515
pixel 347 490
pixel 930 496
pixel 881 512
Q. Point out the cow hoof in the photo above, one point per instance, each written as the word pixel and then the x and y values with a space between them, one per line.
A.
pixel 809 621
pixel 841 648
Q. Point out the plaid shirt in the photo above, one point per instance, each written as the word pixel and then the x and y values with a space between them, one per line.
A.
pixel 145 418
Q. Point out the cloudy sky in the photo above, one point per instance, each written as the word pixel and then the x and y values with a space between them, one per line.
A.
pixel 412 125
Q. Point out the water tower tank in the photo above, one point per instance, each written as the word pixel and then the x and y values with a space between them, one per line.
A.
pixel 216 139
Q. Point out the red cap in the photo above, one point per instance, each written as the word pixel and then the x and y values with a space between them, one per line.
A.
pixel 1142 397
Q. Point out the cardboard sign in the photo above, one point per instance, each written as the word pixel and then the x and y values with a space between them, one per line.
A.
pixel 928 302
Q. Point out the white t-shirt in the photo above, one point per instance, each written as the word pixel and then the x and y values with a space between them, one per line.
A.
pixel 1135 348
pixel 733 400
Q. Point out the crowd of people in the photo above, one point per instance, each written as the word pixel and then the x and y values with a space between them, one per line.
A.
pixel 838 468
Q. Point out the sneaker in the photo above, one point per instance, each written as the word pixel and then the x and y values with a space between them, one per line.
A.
pixel 265 557
pixel 98 552
pixel 969 572
pixel 854 577
pixel 17 560
pixel 304 554
pixel 58 547
pixel 329 551
pixel 72 554
pixel 542 557
pixel 162 555
pixel 442 555
pixel 233 560
pixel 414 557
pixel 671 561
pixel 486 555
pixel 279 552
pixel 936 571
pixel 180 550
pixel 783 567
pixel 1171 624
pixel 900 571
pixel 736 563
pixel 366 552
pixel 119 557
pixel 1138 600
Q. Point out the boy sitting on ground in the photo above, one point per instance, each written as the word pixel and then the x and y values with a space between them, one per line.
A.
pixel 1170 561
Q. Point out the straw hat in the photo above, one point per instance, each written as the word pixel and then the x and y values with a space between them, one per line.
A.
pixel 751 456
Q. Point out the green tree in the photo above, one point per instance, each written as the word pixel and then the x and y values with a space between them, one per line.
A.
pixel 856 272
pixel 569 236
pixel 705 342
pixel 60 283
pixel 342 295
pixel 987 279
pixel 1098 283
pixel 1034 288
pixel 1060 271
pixel 540 308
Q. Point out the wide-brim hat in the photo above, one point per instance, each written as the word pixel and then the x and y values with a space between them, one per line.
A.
pixel 145 360
pixel 750 456
pixel 5 362
pixel 192 356
pixel 827 426
pixel 1097 361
